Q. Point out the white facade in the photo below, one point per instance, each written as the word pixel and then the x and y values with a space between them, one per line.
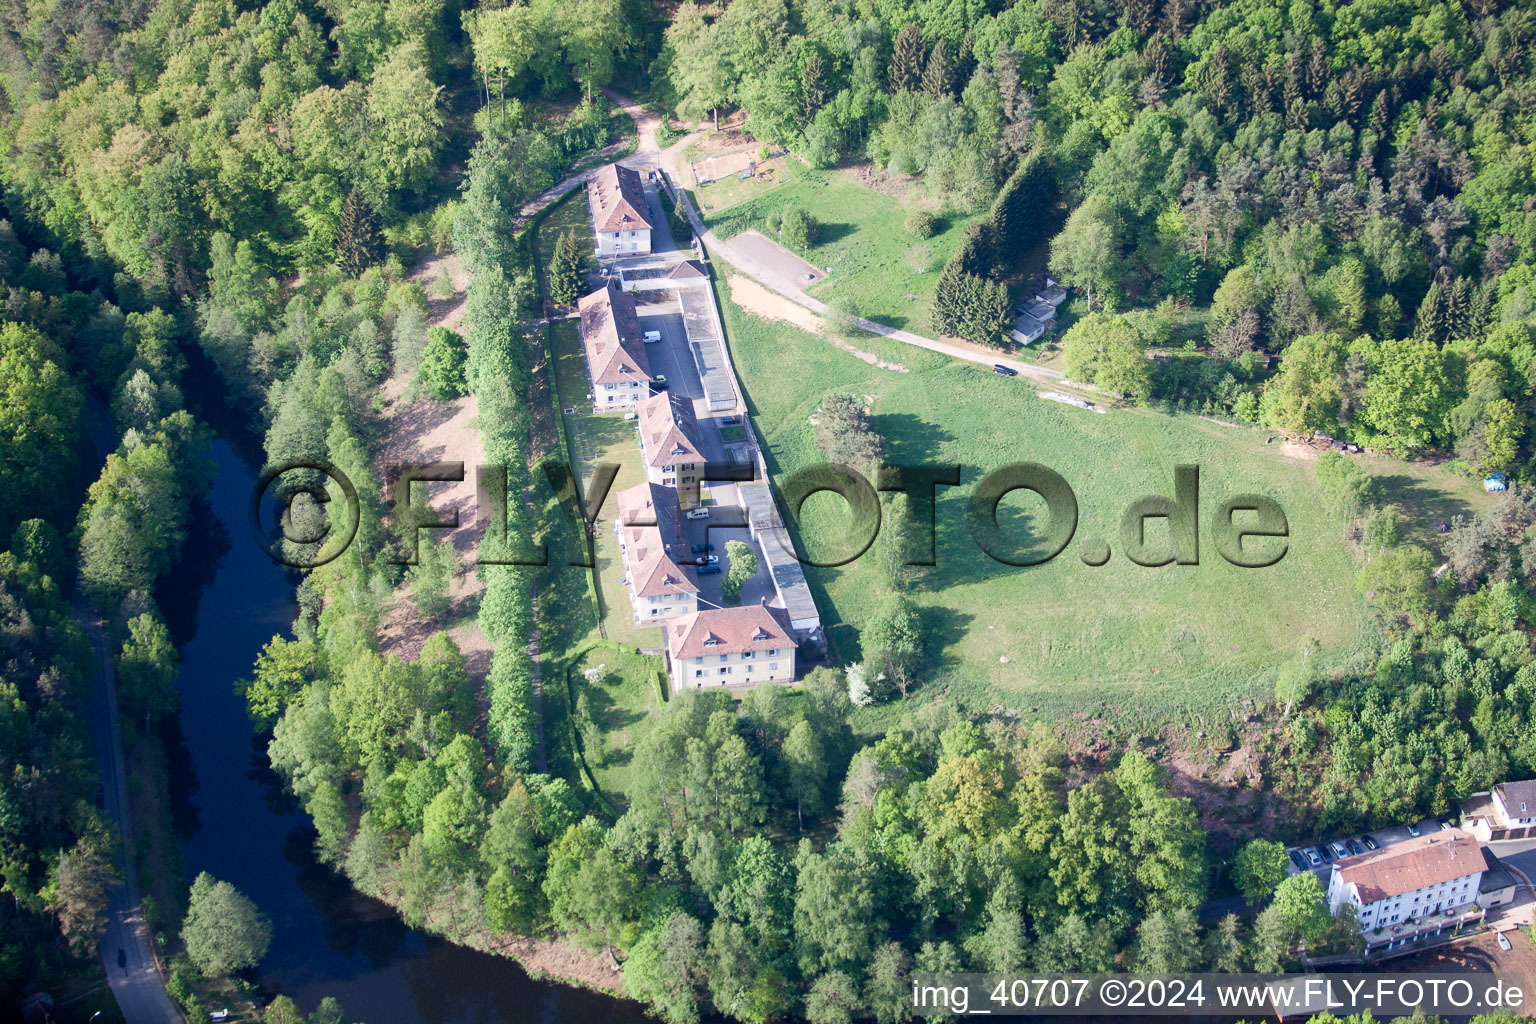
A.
pixel 1406 906
pixel 623 243
pixel 622 394
pixel 734 668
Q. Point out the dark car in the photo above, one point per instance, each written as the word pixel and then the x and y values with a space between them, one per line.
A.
pixel 1326 852
pixel 1006 371
pixel 1370 844
pixel 730 421
pixel 658 385
pixel 708 570
pixel 1298 860
pixel 699 549
pixel 1352 846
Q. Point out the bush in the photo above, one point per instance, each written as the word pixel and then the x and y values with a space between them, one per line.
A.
pixel 921 224
pixel 442 364
pixel 797 229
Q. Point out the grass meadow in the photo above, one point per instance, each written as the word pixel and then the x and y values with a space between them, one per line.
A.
pixel 879 270
pixel 1061 638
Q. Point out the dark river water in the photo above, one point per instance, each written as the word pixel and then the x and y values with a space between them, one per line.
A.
pixel 237 824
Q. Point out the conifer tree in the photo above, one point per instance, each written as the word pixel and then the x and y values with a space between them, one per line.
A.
pixel 359 245
pixel 907 59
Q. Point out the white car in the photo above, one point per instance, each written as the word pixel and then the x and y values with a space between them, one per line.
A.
pixel 708 560
pixel 698 513
pixel 652 337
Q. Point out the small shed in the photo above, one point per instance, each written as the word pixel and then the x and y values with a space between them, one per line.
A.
pixel 1495 482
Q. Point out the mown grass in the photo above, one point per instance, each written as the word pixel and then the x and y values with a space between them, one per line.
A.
pixel 879 270
pixel 1060 638
pixel 622 703
pixel 599 438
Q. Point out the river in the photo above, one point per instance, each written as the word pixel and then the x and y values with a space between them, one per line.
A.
pixel 239 825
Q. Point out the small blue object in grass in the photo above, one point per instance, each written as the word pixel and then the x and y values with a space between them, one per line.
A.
pixel 1495 482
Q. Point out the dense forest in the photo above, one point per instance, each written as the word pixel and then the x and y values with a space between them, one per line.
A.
pixel 1323 212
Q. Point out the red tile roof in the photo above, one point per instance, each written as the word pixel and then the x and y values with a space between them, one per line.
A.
pixel 618 200
pixel 1414 864
pixel 668 431
pixel 750 627
pixel 610 332
pixel 653 540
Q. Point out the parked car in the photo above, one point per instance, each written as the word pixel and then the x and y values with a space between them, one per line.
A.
pixel 709 570
pixel 697 513
pixel 652 337
pixel 659 382
pixel 1413 830
pixel 1006 371
pixel 1370 844
pixel 1298 860
pixel 709 559
pixel 1445 826
pixel 1503 942
pixel 1352 846
pixel 699 549
pixel 1326 852
pixel 1312 857
pixel 730 421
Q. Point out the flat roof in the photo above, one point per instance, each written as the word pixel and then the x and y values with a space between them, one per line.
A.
pixel 773 538
pixel 703 331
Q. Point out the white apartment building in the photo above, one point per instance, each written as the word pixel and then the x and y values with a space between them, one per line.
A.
pixel 654 548
pixel 611 339
pixel 616 199
pixel 1410 890
pixel 669 437
pixel 736 647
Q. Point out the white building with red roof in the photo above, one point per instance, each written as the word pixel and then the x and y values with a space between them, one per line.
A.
pixel 654 548
pixel 742 646
pixel 670 446
pixel 615 351
pixel 1412 889
pixel 616 199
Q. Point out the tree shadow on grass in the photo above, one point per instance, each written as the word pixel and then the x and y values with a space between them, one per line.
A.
pixel 1425 505
pixel 828 233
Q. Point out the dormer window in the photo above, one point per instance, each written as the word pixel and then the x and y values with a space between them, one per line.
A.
pixel 711 641
pixel 761 635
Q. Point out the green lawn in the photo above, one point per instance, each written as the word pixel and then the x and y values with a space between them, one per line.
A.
pixel 717 196
pixel 1121 640
pixel 622 703
pixel 608 437
pixel 879 270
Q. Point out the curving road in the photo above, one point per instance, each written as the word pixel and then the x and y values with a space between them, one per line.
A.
pixel 127 951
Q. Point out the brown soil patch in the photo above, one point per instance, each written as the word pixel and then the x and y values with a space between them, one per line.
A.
pixel 419 430
pixel 567 963
pixel 901 187
pixel 449 311
pixel 761 302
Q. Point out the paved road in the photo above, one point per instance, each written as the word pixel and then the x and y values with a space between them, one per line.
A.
pixel 646 124
pixel 136 984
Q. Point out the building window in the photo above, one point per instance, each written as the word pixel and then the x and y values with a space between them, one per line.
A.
pixel 698 661
pixel 697 673
pixel 725 671
pixel 668 469
pixel 746 654
pixel 725 657
pixel 772 651
pixel 608 386
pixel 773 666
